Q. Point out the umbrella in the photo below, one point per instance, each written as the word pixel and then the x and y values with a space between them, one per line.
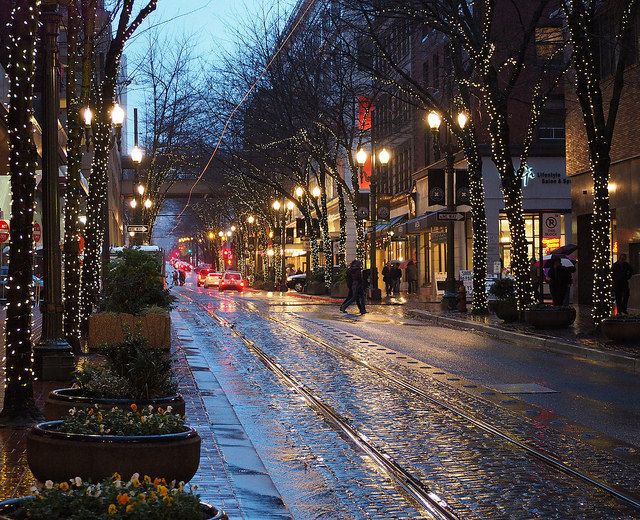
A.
pixel 566 249
pixel 566 262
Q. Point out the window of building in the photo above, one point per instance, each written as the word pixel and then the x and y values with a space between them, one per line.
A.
pixel 547 132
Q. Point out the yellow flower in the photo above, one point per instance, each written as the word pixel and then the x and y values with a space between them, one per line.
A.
pixel 123 499
pixel 64 486
pixel 129 508
pixel 168 500
pixel 163 490
pixel 143 419
pixel 116 476
pixel 112 509
pixel 134 407
pixel 147 479
pixel 135 482
pixel 99 417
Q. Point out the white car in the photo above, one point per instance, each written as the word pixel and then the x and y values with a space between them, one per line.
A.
pixel 212 280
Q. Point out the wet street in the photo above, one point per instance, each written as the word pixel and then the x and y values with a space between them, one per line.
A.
pixel 323 415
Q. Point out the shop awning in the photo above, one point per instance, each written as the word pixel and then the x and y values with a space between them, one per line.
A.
pixel 388 225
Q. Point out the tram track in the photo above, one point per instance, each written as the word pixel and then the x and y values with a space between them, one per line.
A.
pixel 415 481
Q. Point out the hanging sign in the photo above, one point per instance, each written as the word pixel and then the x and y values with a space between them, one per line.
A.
pixel 462 187
pixel 4 231
pixel 37 232
pixel 436 187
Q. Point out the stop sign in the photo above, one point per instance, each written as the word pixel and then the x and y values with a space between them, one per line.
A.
pixel 37 232
pixel 4 231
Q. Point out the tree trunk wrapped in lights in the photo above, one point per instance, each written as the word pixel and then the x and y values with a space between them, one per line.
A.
pixel 342 242
pixel 76 55
pixel 582 20
pixel 23 161
pixel 97 204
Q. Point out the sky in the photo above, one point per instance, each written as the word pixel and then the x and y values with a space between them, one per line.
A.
pixel 212 24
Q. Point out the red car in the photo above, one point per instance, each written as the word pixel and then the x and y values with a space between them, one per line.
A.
pixel 231 280
pixel 202 276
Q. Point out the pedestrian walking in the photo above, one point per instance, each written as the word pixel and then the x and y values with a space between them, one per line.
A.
pixel 396 276
pixel 560 281
pixel 412 277
pixel 182 277
pixel 174 278
pixel 534 272
pixel 362 291
pixel 621 273
pixel 386 278
pixel 354 282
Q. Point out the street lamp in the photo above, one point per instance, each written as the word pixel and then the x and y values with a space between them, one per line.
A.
pixel 276 205
pixel 117 118
pixel 133 203
pixel 233 229
pixel 290 205
pixel 449 149
pixel 299 191
pixel 251 219
pixel 148 203
pixel 316 191
pixel 211 235
pixel 136 154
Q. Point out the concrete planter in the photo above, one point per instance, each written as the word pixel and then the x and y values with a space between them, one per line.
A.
pixel 110 328
pixel 550 317
pixel 57 456
pixel 316 288
pixel 622 330
pixel 507 310
pixel 60 401
pixel 9 507
pixel 340 290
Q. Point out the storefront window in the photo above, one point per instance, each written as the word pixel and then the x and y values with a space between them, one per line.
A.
pixel 532 232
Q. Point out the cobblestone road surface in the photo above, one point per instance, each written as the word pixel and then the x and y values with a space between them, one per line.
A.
pixel 477 474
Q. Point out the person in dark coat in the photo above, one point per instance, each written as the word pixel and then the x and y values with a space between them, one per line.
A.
pixel 362 291
pixel 396 276
pixel 386 278
pixel 412 277
pixel 559 281
pixel 621 273
pixel 182 276
pixel 354 282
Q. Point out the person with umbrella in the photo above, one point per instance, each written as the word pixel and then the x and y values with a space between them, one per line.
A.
pixel 621 273
pixel 560 279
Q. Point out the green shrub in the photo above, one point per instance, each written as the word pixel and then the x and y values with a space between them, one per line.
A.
pixel 134 283
pixel 504 289
pixel 133 370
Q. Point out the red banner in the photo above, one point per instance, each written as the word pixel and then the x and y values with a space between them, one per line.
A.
pixel 365 108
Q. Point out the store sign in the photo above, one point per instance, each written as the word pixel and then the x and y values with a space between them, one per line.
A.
pixel 529 175
pixel 436 187
pixel 441 281
pixel 551 226
pixel 467 280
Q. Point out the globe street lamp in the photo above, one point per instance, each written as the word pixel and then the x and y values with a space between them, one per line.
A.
pixel 117 118
pixel 448 147
pixel 316 191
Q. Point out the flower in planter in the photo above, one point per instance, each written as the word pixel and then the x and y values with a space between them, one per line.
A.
pixel 112 498
pixel 145 421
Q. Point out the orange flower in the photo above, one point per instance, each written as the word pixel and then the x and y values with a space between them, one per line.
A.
pixel 163 490
pixel 123 499
pixel 134 407
pixel 64 486
pixel 90 411
pixel 129 508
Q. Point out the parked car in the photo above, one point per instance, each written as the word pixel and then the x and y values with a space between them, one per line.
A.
pixel 202 276
pixel 297 281
pixel 231 280
pixel 212 279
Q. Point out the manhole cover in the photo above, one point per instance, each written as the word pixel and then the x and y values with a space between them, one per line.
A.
pixel 523 388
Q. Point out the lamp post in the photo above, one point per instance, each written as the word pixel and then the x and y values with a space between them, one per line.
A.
pixel 53 359
pixel 251 220
pixel 383 157
pixel 449 149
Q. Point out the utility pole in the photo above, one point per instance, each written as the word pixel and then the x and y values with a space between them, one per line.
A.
pixel 53 358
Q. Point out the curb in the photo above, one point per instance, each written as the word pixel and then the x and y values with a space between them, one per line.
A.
pixel 528 340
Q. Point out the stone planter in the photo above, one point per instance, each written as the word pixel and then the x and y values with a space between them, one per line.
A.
pixel 507 311
pixel 622 330
pixel 315 288
pixel 57 456
pixel 110 328
pixel 340 290
pixel 9 507
pixel 492 305
pixel 550 317
pixel 60 401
